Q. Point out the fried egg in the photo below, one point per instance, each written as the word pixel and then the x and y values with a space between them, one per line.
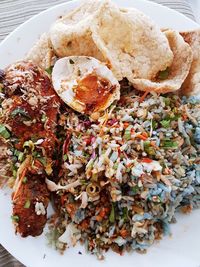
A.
pixel 85 84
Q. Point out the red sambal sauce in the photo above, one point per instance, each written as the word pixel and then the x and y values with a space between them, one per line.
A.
pixel 94 92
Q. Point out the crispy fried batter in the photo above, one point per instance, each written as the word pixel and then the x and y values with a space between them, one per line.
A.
pixel 29 89
pixel 24 206
pixel 30 111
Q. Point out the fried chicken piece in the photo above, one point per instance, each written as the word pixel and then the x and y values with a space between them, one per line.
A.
pixel 30 111
pixel 32 104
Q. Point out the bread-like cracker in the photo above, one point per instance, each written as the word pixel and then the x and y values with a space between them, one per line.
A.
pixel 42 53
pixel 191 86
pixel 72 36
pixel 132 45
pixel 178 71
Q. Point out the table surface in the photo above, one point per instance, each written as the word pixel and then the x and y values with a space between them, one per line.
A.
pixel 15 12
pixel 195 4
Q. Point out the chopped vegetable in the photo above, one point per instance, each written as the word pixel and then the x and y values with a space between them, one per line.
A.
pixel 147 144
pixel 4 132
pixel 83 182
pixel 115 166
pixel 43 160
pixel 135 189
pixel 20 111
pixel 127 135
pixel 27 204
pixel 24 181
pixel 29 144
pixel 14 173
pixel 165 123
pixel 65 157
pixel 15 218
pixel 142 136
pixel 154 124
pixel 169 144
pixel 167 101
pixel 21 156
pixel 147 160
pixel 36 154
pixel 125 214
pixel 112 214
pixel 44 118
pixel 49 70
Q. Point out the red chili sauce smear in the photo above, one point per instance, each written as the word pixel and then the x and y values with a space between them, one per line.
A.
pixel 94 92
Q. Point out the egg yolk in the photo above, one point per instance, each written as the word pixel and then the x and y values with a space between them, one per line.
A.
pixel 94 92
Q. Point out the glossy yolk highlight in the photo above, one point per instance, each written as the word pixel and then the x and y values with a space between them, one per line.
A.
pixel 94 92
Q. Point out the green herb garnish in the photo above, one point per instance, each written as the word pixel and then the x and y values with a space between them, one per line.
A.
pixel 167 144
pixel 175 117
pixel 165 123
pixel 4 132
pixel 65 157
pixel 36 154
pixel 49 70
pixel 112 214
pixel 148 148
pixel 83 182
pixel 135 189
pixel 27 204
pixel 79 136
pixel 20 111
pixel 16 152
pixel 171 117
pixel 21 156
pixel 44 118
pixel 85 154
pixel 150 151
pixel 167 101
pixel 154 125
pixel 163 75
pixel 115 166
pixel 42 160
pixel 147 144
pixel 24 181
pixel 125 214
pixel 15 218
pixel 127 134
pixel 14 173
pixel 128 169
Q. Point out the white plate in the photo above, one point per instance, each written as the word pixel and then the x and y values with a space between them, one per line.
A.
pixel 179 250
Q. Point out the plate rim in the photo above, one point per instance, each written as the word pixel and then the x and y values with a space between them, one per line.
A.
pixel 13 252
pixel 78 1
